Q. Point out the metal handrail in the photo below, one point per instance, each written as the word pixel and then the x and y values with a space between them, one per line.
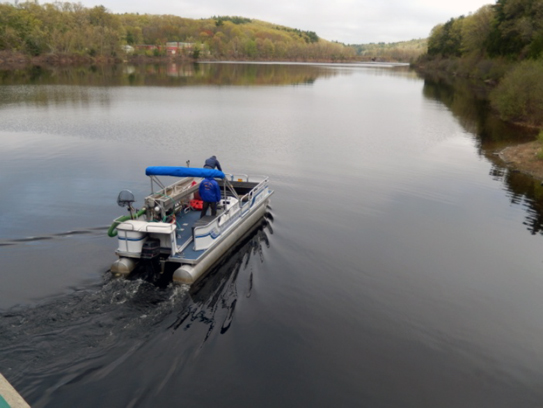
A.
pixel 251 194
pixel 232 175
pixel 246 176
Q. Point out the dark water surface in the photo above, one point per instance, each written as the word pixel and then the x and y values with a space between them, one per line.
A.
pixel 399 265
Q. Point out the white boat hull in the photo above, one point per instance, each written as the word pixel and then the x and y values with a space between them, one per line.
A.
pixel 170 229
pixel 188 274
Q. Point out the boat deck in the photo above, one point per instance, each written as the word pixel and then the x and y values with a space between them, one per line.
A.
pixel 185 221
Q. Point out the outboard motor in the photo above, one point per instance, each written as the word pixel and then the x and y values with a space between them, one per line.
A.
pixel 149 268
pixel 151 249
pixel 125 199
pixel 150 260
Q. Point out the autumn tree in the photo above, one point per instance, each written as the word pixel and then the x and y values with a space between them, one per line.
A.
pixel 476 30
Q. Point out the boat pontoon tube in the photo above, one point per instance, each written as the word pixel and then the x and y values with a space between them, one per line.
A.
pixel 123 266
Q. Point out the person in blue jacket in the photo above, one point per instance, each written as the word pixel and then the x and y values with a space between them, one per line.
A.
pixel 210 193
pixel 211 163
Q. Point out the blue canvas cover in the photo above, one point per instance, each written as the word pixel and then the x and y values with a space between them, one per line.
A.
pixel 183 172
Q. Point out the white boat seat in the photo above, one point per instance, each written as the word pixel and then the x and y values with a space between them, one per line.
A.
pixel 144 226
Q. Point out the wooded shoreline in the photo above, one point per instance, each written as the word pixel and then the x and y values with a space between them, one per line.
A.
pixel 14 60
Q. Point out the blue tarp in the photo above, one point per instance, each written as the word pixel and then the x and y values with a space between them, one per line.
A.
pixel 183 172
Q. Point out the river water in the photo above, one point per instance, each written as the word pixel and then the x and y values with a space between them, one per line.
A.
pixel 399 264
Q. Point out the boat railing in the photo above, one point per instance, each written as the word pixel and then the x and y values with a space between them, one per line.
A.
pixel 238 177
pixel 229 211
pixel 224 215
pixel 246 177
pixel 207 230
pixel 248 198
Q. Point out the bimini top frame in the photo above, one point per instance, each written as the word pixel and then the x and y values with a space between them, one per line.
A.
pixel 167 198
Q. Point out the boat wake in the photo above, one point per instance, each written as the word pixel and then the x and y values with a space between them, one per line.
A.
pixel 96 230
pixel 96 333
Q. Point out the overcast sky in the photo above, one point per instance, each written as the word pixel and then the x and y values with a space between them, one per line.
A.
pixel 347 21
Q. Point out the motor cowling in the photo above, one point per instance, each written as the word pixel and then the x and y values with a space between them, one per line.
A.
pixel 151 249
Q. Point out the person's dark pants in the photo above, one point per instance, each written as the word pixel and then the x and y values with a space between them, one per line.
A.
pixel 206 206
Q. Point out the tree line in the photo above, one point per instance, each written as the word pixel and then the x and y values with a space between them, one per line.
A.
pixel 403 51
pixel 501 43
pixel 70 28
pixel 509 28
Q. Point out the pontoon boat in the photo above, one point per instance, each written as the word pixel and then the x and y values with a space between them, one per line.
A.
pixel 168 229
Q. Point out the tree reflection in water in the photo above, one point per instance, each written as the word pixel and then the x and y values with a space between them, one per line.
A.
pixel 469 104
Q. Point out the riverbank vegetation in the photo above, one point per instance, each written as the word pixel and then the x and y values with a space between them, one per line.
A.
pixel 501 44
pixel 69 33
pixel 403 51
pixel 71 30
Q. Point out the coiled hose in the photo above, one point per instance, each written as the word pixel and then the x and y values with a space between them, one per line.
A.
pixel 112 231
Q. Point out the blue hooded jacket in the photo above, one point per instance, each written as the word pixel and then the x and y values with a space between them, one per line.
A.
pixel 212 162
pixel 210 191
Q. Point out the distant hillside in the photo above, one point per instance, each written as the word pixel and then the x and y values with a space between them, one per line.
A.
pixel 71 29
pixel 404 51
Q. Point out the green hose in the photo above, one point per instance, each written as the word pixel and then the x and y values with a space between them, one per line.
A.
pixel 112 231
